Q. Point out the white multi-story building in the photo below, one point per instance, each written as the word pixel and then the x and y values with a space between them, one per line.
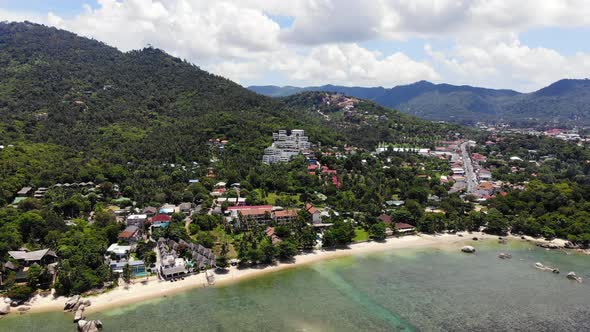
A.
pixel 285 146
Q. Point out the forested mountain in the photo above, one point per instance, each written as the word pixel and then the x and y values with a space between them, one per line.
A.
pixel 76 109
pixel 565 102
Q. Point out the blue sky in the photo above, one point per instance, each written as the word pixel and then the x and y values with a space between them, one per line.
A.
pixel 522 45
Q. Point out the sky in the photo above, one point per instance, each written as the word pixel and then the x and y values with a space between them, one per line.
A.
pixel 522 45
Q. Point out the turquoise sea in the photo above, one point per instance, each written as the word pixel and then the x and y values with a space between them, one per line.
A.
pixel 401 290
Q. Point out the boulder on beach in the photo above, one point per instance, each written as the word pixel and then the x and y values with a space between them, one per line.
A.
pixel 72 302
pixel 4 308
pixel 475 239
pixel 7 300
pixel 468 249
pixel 87 303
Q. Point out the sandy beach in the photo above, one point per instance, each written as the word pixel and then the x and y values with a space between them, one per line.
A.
pixel 142 289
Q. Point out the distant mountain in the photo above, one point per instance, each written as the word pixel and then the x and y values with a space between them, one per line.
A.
pixel 565 103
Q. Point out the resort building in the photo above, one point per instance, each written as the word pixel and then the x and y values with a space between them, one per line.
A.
pixel 173 254
pixel 137 267
pixel 285 216
pixel 286 146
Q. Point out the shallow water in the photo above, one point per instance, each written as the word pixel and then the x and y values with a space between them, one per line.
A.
pixel 403 290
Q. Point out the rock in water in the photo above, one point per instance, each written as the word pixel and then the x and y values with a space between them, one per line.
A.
pixel 4 308
pixel 572 276
pixel 89 326
pixel 79 313
pixel 468 249
pixel 504 255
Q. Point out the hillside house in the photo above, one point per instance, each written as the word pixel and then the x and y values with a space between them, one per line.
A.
pixel 130 234
pixel 315 214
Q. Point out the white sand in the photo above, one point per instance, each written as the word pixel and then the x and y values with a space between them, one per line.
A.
pixel 154 288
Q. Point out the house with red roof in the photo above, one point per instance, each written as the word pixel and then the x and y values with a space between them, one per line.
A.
pixel 386 219
pixel 315 214
pixel 403 228
pixel 160 220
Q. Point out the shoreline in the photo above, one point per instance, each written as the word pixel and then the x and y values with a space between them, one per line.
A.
pixel 141 290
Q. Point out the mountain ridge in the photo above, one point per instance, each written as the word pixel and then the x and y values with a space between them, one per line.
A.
pixel 566 101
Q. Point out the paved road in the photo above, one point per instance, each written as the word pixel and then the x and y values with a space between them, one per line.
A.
pixel 469 172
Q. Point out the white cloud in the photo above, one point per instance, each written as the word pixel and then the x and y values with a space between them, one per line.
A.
pixel 351 64
pixel 508 63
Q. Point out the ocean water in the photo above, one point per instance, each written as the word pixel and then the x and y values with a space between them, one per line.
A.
pixel 401 290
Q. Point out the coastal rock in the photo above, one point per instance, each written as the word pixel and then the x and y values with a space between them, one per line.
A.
pixel 468 249
pixel 7 300
pixel 546 268
pixel 87 303
pixel 4 308
pixel 572 276
pixel 24 308
pixel 89 326
pixel 570 245
pixel 79 314
pixel 548 245
pixel 475 239
pixel 70 303
pixel 505 255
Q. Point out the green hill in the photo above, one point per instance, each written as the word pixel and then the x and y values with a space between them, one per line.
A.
pixel 75 109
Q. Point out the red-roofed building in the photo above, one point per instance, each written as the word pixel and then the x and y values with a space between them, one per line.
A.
pixel 312 167
pixel 129 234
pixel 270 233
pixel 160 218
pixel 553 132
pixel 478 157
pixel 385 219
pixel 315 214
pixel 258 213
pixel 404 228
pixel 282 216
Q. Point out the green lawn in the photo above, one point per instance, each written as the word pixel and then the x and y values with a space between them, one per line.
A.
pixel 360 234
pixel 272 198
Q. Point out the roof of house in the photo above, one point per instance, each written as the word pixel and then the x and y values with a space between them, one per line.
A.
pixel 128 232
pixel 250 207
pixel 36 255
pixel 24 191
pixel 185 206
pixel 118 249
pixel 311 209
pixel 161 218
pixel 385 218
pixel 401 225
pixel 254 212
pixel 286 213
